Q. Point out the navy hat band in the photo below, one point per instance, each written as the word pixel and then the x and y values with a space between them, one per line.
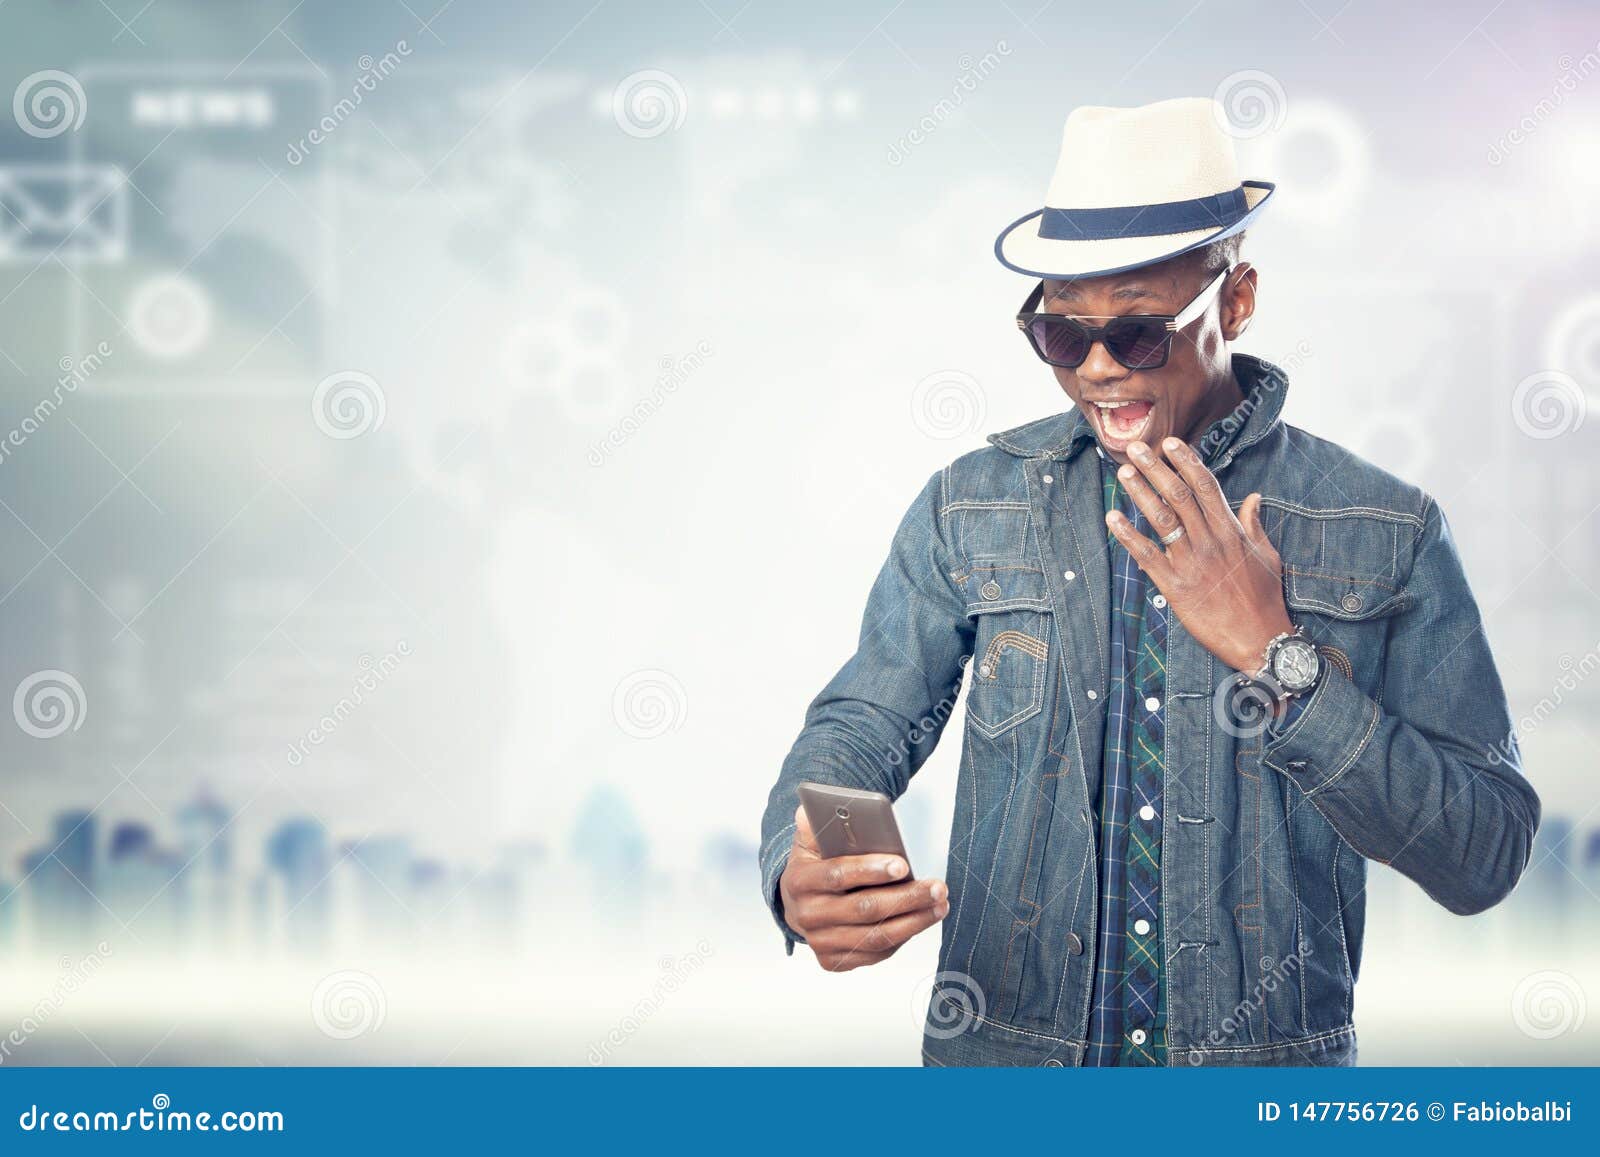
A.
pixel 1215 212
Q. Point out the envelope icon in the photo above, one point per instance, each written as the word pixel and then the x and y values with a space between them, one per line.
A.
pixel 74 212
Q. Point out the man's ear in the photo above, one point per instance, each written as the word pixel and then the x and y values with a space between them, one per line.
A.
pixel 1238 301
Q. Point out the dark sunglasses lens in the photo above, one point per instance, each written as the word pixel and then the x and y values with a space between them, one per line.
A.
pixel 1139 344
pixel 1063 342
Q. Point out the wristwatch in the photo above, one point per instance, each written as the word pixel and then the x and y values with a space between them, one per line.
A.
pixel 1290 665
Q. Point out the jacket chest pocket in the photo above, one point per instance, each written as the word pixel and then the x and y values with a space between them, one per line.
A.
pixel 1010 609
pixel 1341 585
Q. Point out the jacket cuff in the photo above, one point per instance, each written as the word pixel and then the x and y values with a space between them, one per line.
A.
pixel 1328 736
pixel 773 872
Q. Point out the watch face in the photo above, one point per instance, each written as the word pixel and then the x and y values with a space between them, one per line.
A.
pixel 1296 664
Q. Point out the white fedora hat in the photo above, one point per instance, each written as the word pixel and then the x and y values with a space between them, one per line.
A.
pixel 1134 186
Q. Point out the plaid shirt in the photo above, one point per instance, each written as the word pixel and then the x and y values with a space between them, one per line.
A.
pixel 1128 1009
pixel 1127 1020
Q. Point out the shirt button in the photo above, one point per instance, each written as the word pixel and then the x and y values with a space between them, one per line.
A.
pixel 1152 704
pixel 1159 601
pixel 1147 813
pixel 1142 927
pixel 1074 944
pixel 1137 1036
pixel 1092 693
pixel 1069 575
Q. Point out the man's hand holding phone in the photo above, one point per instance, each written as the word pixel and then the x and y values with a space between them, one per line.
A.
pixel 855 910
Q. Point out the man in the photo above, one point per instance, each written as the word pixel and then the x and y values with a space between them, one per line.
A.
pixel 1217 664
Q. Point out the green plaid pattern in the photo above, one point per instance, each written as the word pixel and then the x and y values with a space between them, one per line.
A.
pixel 1128 1009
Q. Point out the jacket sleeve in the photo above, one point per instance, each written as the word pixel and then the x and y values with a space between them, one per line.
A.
pixel 1430 781
pixel 879 718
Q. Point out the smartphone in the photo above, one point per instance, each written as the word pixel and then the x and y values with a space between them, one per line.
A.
pixel 848 822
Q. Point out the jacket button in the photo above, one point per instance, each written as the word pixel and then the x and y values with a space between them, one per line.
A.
pixel 1074 944
pixel 990 590
pixel 1351 602
pixel 1052 1063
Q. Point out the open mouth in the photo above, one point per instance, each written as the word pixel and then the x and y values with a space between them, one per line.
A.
pixel 1123 422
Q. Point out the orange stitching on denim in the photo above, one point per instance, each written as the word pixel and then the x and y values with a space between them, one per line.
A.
pixel 1038 648
pixel 1319 574
pixel 1018 925
pixel 1239 761
pixel 1338 659
pixel 962 576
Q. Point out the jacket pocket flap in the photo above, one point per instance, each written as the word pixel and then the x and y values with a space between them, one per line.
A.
pixel 1343 596
pixel 990 587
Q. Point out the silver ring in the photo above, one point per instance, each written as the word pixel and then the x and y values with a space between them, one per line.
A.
pixel 1169 539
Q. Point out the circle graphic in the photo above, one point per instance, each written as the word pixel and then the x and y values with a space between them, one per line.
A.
pixel 169 317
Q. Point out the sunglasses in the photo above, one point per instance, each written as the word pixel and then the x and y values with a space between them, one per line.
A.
pixel 1137 341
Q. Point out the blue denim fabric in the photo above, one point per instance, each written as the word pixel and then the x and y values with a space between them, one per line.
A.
pixel 1404 753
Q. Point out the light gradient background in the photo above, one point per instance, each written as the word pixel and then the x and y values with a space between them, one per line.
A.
pixel 652 365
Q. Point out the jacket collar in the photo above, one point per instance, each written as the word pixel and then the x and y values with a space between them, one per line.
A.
pixel 1263 384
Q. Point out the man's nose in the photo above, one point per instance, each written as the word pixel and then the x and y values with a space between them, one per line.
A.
pixel 1100 368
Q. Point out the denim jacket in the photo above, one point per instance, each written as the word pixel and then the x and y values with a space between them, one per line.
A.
pixel 1404 752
